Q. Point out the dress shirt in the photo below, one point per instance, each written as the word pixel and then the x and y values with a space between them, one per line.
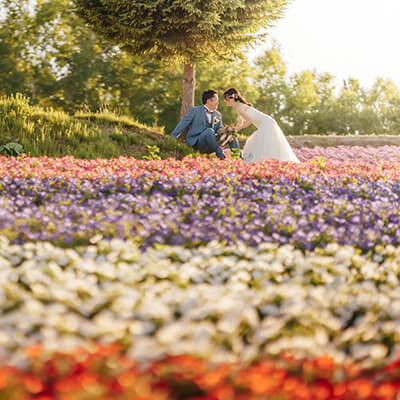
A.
pixel 208 113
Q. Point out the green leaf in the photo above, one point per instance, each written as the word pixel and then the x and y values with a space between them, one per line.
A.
pixel 12 149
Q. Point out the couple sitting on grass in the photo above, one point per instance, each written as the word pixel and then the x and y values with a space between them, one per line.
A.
pixel 204 125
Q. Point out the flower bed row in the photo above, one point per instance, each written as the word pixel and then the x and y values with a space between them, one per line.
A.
pixel 307 212
pixel 350 153
pixel 105 373
pixel 221 303
pixel 199 168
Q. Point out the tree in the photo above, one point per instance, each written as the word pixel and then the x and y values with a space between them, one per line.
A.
pixel 182 30
pixel 272 85
pixel 16 70
pixel 384 103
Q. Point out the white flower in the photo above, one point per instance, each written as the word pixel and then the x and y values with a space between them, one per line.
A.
pixel 179 300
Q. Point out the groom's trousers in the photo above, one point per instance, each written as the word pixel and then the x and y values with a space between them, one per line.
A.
pixel 207 143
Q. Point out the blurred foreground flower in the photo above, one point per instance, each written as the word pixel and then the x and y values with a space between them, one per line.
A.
pixel 106 373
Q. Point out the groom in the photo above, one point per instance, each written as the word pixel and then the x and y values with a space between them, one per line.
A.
pixel 203 121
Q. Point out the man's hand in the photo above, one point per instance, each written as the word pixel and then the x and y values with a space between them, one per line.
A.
pixel 182 136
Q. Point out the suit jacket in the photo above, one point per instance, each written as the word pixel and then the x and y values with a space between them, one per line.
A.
pixel 197 121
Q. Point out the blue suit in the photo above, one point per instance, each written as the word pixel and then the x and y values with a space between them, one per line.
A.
pixel 201 134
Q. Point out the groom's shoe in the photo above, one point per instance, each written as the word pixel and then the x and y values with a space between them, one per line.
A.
pixel 220 154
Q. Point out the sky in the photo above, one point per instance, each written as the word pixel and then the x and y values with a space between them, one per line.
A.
pixel 347 38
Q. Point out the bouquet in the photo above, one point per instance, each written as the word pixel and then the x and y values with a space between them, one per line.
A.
pixel 226 135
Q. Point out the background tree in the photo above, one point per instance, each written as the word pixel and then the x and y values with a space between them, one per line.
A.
pixel 184 30
pixel 48 54
pixel 271 82
pixel 16 40
pixel 383 102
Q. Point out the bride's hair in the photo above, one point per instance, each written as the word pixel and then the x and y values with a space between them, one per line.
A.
pixel 233 93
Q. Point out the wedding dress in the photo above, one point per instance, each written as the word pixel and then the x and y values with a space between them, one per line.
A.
pixel 268 141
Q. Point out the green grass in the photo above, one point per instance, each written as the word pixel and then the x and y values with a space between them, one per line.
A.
pixel 84 135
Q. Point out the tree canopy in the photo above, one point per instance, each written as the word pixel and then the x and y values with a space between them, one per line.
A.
pixel 192 30
pixel 182 30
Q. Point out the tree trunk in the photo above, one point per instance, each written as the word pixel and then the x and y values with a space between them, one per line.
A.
pixel 188 85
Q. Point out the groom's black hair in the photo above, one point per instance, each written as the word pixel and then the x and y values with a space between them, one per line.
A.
pixel 209 94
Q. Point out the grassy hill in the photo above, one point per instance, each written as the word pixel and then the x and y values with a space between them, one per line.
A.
pixel 107 135
pixel 84 135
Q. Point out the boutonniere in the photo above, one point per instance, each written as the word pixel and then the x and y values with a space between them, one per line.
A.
pixel 215 120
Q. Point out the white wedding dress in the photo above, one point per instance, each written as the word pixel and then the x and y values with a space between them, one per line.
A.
pixel 268 141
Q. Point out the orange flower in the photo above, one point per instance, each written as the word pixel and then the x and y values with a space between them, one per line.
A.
pixel 66 385
pixel 210 379
pixel 88 379
pixel 126 362
pixel 214 377
pixel 265 367
pixel 352 369
pixel 34 350
pixel 127 378
pixel 325 363
pixel 261 384
pixel 322 391
pixel 224 392
pixel 6 374
pixel 108 350
pixel 291 384
pixel 386 391
pixel 340 390
pixel 32 384
pixel 197 364
pixel 362 388
pixel 303 392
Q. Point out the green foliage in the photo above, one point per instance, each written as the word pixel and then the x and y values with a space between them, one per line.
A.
pixel 320 162
pixel 47 54
pixel 12 149
pixel 55 134
pixel 310 103
pixel 189 30
pixel 16 69
pixel 153 153
pixel 236 153
pixel 108 117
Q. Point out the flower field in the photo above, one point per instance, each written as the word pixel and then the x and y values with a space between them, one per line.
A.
pixel 305 212
pixel 350 153
pixel 201 278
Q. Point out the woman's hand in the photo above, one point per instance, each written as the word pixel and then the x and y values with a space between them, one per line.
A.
pixel 239 124
pixel 244 124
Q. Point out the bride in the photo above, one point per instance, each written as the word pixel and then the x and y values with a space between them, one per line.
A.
pixel 268 141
